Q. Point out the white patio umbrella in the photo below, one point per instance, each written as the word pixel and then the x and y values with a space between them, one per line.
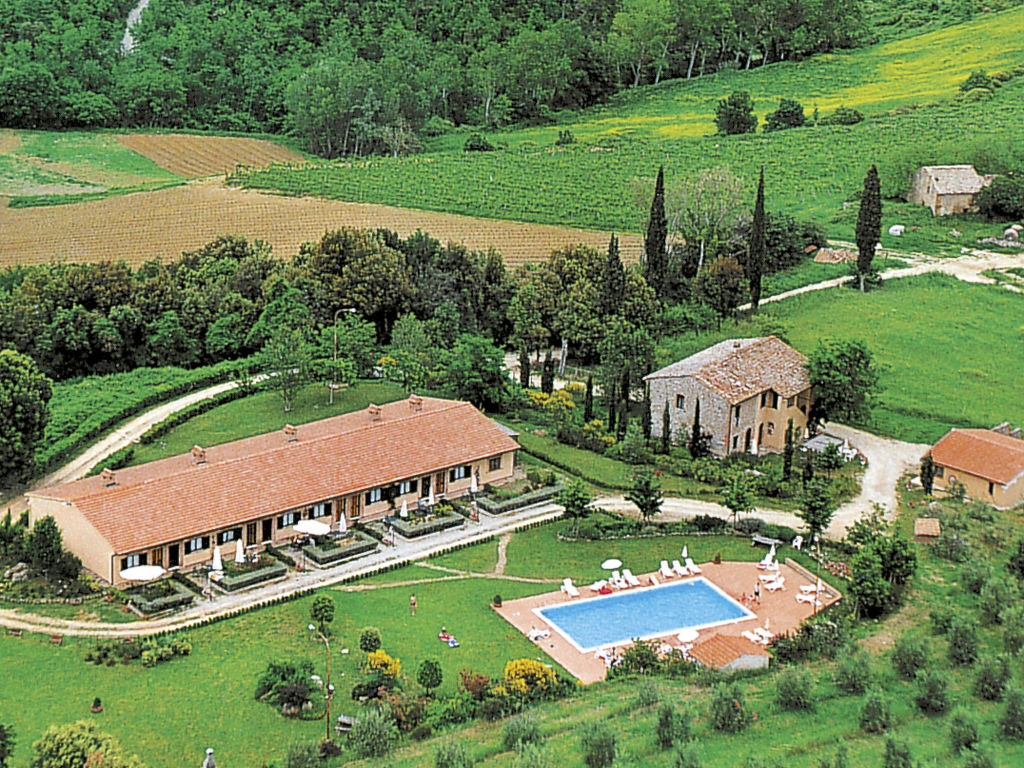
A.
pixel 405 510
pixel 218 563
pixel 611 564
pixel 142 573
pixel 771 553
pixel 239 552
pixel 312 527
pixel 685 553
pixel 472 484
pixel 688 635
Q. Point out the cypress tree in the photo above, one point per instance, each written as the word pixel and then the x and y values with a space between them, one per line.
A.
pixel 695 442
pixel 613 280
pixel 758 246
pixel 623 419
pixel 928 473
pixel 613 408
pixel 624 387
pixel 869 223
pixel 524 368
pixel 808 473
pixel 588 402
pixel 656 240
pixel 645 415
pixel 547 376
pixel 787 454
pixel 666 430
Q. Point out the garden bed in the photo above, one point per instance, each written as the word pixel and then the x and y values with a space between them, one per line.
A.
pixel 232 582
pixel 159 596
pixel 494 507
pixel 414 527
pixel 327 551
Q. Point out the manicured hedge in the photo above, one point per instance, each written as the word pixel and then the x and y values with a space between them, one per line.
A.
pixel 243 580
pixel 362 545
pixel 277 554
pixel 182 596
pixel 409 531
pixel 492 507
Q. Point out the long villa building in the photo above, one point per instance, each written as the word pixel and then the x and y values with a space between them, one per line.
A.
pixel 357 466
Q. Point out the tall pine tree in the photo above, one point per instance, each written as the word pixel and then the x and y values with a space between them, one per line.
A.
pixel 656 241
pixel 645 415
pixel 787 454
pixel 869 224
pixel 613 280
pixel 758 246
pixel 695 441
pixel 588 403
pixel 524 368
pixel 666 430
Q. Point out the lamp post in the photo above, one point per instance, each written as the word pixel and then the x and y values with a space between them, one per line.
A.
pixel 336 314
pixel 329 691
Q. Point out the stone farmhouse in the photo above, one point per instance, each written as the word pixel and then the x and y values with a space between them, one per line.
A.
pixel 947 189
pixel 747 391
pixel 989 463
pixel 357 466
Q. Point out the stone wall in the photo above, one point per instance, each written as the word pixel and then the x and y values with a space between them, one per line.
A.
pixel 714 410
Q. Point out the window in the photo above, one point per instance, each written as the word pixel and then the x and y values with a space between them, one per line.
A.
pixel 494 464
pixel 197 544
pixel 940 471
pixel 991 488
pixel 764 399
pixel 771 427
pixel 735 442
pixel 133 561
pixel 459 473
pixel 680 401
pixel 288 518
pixel 408 486
pixel 790 401
pixel 736 414
pixel 233 534
pixel 320 510
pixel 372 497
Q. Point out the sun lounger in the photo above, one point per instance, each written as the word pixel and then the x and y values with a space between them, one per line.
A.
pixel 569 589
pixel 752 637
pixel 775 586
pixel 539 634
pixel 632 580
pixel 692 566
pixel 764 634
pixel 768 577
pixel 597 585
pixel 680 570
pixel 767 562
pixel 665 570
pixel 654 581
pixel 617 581
pixel 808 599
pixel 808 589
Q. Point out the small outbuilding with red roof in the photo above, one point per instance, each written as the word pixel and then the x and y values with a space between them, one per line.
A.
pixel 989 463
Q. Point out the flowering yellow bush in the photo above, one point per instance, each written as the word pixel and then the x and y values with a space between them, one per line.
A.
pixel 526 675
pixel 380 662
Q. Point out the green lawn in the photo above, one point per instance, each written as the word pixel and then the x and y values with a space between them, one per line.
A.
pixel 263 412
pixel 950 352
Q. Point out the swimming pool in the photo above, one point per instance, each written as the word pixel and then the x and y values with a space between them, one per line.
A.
pixel 643 613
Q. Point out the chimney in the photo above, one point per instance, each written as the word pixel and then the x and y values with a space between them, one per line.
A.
pixel 374 411
pixel 290 433
pixel 415 403
pixel 198 454
pixel 107 475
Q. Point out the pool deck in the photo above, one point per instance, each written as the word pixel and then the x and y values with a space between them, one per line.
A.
pixel 780 609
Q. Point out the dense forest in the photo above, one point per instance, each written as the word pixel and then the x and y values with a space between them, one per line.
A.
pixel 358 78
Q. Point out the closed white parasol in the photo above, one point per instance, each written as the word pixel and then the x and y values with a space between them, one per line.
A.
pixel 218 562
pixel 239 552
pixel 405 510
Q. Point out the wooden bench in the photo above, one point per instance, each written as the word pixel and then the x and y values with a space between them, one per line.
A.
pixel 57 639
pixel 765 540
pixel 15 632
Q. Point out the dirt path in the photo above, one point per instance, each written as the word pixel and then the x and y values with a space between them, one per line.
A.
pixel 499 567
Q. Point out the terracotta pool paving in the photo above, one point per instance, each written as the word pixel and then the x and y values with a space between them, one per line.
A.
pixel 780 611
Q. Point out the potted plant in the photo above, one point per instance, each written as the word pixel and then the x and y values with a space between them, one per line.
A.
pixel 97 705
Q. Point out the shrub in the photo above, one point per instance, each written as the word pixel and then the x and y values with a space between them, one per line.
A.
pixel 648 694
pixel 374 734
pixel 429 675
pixel 735 114
pixel 908 657
pixel 932 698
pixel 687 756
pixel 1011 723
pixel 277 682
pixel 665 729
pixel 520 730
pixel 369 640
pixel 993 679
pixel 728 710
pixel 473 684
pixel 963 643
pixel 565 138
pixel 789 115
pixel 1012 619
pixel 1002 199
pixel 997 593
pixel 531 756
pixel 951 546
pixel 597 743
pixel 841 759
pixel 875 715
pixel 977 79
pixel 794 689
pixel 477 143
pixel 897 754
pixel 452 754
pixel 963 731
pixel 843 115
pixel 974 575
pixel 301 755
pixel 942 618
pixel 527 676
pixel 853 673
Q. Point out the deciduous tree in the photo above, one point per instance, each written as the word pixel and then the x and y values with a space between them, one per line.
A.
pixel 843 378
pixel 80 745
pixel 735 114
pixel 24 395
pixel 704 210
pixel 322 612
pixel 721 286
pixel 475 372
pixel 646 493
pixel 738 495
pixel 429 675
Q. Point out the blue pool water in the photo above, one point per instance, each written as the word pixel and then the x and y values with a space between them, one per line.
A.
pixel 643 613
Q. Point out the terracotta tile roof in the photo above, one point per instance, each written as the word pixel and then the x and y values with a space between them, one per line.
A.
pixel 982 453
pixel 719 650
pixel 927 526
pixel 741 368
pixel 176 498
pixel 955 179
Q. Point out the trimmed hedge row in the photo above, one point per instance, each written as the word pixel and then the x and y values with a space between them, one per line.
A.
pixel 266 573
pixel 424 529
pixel 492 507
pixel 576 471
pixel 186 582
pixel 277 554
pixel 361 546
pixel 182 596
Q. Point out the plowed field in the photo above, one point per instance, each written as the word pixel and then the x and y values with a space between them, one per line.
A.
pixel 195 156
pixel 162 224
